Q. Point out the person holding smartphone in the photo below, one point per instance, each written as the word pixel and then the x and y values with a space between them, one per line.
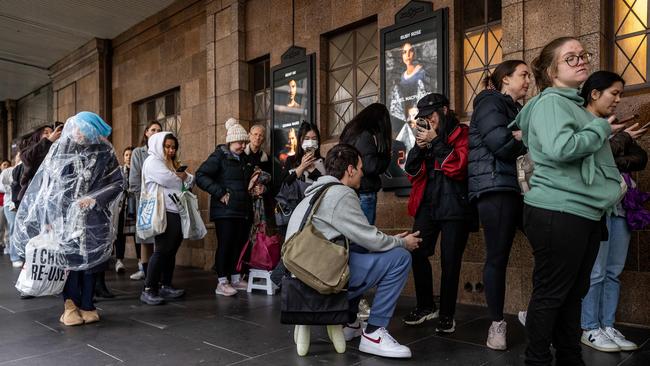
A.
pixel 601 93
pixel 162 168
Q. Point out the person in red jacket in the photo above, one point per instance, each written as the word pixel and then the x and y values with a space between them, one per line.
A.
pixel 437 168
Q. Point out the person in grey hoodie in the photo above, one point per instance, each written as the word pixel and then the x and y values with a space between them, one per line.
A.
pixel 376 260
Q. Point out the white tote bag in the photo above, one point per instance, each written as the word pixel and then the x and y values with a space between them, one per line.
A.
pixel 193 226
pixel 152 219
pixel 42 273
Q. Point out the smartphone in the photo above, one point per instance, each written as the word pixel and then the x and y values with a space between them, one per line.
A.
pixel 422 123
pixel 181 169
pixel 58 124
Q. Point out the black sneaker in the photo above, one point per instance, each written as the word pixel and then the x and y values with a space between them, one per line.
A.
pixel 168 292
pixel 418 316
pixel 446 324
pixel 150 298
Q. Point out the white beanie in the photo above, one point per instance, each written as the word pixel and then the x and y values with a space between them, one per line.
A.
pixel 235 131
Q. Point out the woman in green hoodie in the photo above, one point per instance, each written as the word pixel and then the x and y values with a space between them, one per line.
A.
pixel 574 184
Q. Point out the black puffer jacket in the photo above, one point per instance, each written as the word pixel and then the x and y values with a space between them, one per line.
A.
pixel 629 156
pixel 375 162
pixel 223 173
pixel 493 151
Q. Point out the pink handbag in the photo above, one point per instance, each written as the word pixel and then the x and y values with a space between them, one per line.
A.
pixel 265 251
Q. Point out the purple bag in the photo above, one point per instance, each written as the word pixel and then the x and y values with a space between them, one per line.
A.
pixel 638 217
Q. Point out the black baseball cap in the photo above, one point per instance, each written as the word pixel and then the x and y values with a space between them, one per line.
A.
pixel 431 102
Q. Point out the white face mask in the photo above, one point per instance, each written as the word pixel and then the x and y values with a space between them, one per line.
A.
pixel 309 145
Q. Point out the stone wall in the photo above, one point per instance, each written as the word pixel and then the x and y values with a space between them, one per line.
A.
pixel 80 82
pixel 164 52
pixel 34 110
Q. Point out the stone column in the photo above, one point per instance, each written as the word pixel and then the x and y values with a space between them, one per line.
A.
pixel 227 69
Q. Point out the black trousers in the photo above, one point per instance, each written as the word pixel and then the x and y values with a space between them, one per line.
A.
pixel 565 247
pixel 232 234
pixel 500 214
pixel 453 239
pixel 120 239
pixel 163 259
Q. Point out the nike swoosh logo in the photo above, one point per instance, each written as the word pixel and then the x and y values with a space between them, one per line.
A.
pixel 372 340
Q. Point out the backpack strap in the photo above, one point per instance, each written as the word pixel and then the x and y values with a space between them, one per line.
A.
pixel 314 203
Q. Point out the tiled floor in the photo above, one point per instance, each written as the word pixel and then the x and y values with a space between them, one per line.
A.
pixel 245 329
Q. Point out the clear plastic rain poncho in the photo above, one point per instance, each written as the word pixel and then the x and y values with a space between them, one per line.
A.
pixel 75 193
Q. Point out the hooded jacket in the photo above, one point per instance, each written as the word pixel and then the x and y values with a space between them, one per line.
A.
pixel 493 151
pixel 154 171
pixel 439 177
pixel 340 214
pixel 224 172
pixel 575 171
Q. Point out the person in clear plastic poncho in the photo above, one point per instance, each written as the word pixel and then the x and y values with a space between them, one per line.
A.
pixel 76 194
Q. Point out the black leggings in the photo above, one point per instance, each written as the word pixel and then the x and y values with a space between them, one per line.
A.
pixel 500 214
pixel 454 234
pixel 232 234
pixel 163 260
pixel 565 247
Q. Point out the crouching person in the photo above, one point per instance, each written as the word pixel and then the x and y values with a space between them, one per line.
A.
pixel 376 260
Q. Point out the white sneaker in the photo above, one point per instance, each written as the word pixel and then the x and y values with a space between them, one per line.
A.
pixel 240 285
pixel 119 266
pixel 497 336
pixel 139 275
pixel 522 317
pixel 598 339
pixel 225 289
pixel 364 310
pixel 6 250
pixel 353 330
pixel 620 340
pixel 17 264
pixel 381 343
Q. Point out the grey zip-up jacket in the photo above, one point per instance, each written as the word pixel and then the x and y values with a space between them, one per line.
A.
pixel 340 214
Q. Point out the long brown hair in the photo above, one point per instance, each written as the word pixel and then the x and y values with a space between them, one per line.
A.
pixel 145 139
pixel 175 164
pixel 544 66
pixel 506 68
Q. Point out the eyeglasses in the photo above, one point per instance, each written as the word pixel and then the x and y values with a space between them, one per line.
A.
pixel 574 60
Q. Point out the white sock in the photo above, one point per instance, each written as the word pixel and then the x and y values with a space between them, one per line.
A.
pixel 235 278
pixel 223 280
pixel 140 268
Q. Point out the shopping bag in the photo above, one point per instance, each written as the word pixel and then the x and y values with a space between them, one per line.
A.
pixel 42 273
pixel 191 221
pixel 266 251
pixel 152 219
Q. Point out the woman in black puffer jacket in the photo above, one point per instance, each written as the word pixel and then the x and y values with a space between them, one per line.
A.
pixel 492 170
pixel 225 175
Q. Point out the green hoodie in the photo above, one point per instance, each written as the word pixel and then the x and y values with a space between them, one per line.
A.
pixel 574 171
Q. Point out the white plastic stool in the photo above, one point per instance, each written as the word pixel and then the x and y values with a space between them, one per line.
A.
pixel 265 277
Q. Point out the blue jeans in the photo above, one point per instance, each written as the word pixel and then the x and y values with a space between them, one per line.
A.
pixel 369 206
pixel 10 216
pixel 599 306
pixel 80 288
pixel 388 271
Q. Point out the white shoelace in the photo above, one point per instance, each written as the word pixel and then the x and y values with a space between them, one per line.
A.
pixel 614 333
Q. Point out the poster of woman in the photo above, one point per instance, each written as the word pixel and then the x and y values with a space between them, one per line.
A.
pixel 413 63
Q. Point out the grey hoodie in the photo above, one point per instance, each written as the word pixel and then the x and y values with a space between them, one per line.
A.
pixel 340 214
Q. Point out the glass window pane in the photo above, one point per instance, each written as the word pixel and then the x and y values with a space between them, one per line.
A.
pixel 474 50
pixel 630 16
pixel 471 87
pixel 494 50
pixel 341 50
pixel 160 108
pixel 473 13
pixel 630 59
pixel 170 105
pixel 494 10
